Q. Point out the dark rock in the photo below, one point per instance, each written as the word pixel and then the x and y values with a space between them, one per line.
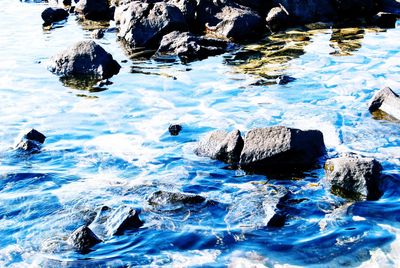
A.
pixel 278 220
pixel 86 58
pixel 284 79
pixel 221 145
pixel 66 2
pixel 385 20
pixel 144 25
pixel 391 6
pixel 82 239
pixel 355 8
pixel 190 47
pixel 277 19
pixel 354 177
pixel 387 101
pixel 174 129
pixel 304 11
pixel 188 9
pixel 280 148
pixel 52 14
pixel 31 141
pixel 162 198
pixel 35 135
pixel 98 33
pixel 97 10
pixel 258 5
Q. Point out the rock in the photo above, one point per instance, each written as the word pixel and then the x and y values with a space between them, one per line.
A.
pixel 284 79
pixel 352 9
pixel 221 145
pixel 82 239
pixel 387 101
pixel 174 129
pixel 391 6
pixel 188 9
pixel 144 25
pixel 98 33
pixel 354 176
pixel 305 11
pixel 163 198
pixel 85 58
pixel 31 141
pixel 52 14
pixel 385 20
pixel 258 5
pixel 281 148
pixel 277 19
pixel 97 10
pixel 190 47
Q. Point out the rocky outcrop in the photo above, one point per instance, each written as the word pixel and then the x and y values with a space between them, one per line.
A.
pixel 31 141
pixel 190 47
pixel 82 239
pixel 144 25
pixel 163 198
pixel 280 148
pixel 97 10
pixel 221 145
pixel 387 101
pixel 52 14
pixel 354 177
pixel 86 58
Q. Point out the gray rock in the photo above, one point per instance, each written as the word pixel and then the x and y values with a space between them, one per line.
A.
pixel 190 47
pixel 31 141
pixel 280 148
pixel 97 10
pixel 82 239
pixel 144 25
pixel 165 198
pixel 387 101
pixel 354 177
pixel 221 145
pixel 52 14
pixel 391 6
pixel 385 19
pixel 277 19
pixel 86 58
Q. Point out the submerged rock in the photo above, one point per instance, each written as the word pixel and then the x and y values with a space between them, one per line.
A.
pixel 96 10
pixel 280 148
pixel 82 239
pixel 354 177
pixel 85 58
pixel 174 129
pixel 190 47
pixel 387 101
pixel 52 14
pixel 144 24
pixel 221 145
pixel 31 141
pixel 163 198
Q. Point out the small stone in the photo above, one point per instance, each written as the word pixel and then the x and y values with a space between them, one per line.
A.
pixel 284 79
pixel 174 129
pixel 82 239
pixel 98 33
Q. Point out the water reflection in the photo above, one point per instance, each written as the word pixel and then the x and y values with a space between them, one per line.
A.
pixel 346 41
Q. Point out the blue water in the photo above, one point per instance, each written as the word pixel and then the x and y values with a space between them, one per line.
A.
pixel 112 147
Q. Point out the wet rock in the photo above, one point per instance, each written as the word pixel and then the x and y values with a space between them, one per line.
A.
pixel 277 19
pixel 355 8
pixel 258 5
pixel 163 198
pixel 387 101
pixel 174 129
pixel 305 11
pixel 97 10
pixel 284 79
pixel 82 239
pixel 31 141
pixel 354 177
pixel 98 33
pixel 391 6
pixel 281 148
pixel 188 9
pixel 221 145
pixel 144 25
pixel 52 14
pixel 385 20
pixel 85 58
pixel 190 47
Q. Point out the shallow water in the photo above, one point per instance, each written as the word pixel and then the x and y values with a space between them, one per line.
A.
pixel 112 147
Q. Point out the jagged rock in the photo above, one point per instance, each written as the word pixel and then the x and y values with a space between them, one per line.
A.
pixel 97 10
pixel 387 101
pixel 82 239
pixel 31 141
pixel 354 177
pixel 85 58
pixel 221 145
pixel 52 14
pixel 281 148
pixel 163 198
pixel 385 20
pixel 190 47
pixel 144 25
pixel 277 19
pixel 174 129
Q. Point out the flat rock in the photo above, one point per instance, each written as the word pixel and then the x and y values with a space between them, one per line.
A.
pixel 221 145
pixel 85 58
pixel 354 177
pixel 97 10
pixel 52 14
pixel 387 101
pixel 281 147
pixel 82 239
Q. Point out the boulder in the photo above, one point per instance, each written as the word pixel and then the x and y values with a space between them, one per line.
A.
pixel 188 9
pixel 277 19
pixel 391 6
pixel 174 130
pixel 385 20
pixel 221 145
pixel 97 10
pixel 52 14
pixel 190 47
pixel 355 8
pixel 85 58
pixel 164 198
pixel 354 177
pixel 281 148
pixel 305 11
pixel 387 101
pixel 144 25
pixel 82 239
pixel 31 141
